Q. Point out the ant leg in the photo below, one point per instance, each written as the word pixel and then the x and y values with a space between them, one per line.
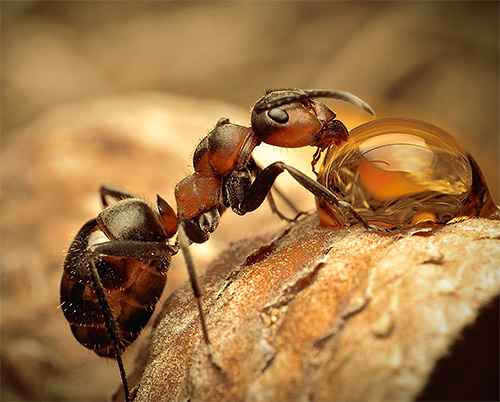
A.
pixel 184 242
pixel 263 183
pixel 288 202
pixel 109 322
pixel 144 250
pixel 121 248
pixel 257 169
pixel 117 193
pixel 275 209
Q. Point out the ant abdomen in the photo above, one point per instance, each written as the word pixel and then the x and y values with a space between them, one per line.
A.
pixel 132 287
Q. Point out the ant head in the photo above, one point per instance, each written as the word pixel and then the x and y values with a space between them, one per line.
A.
pixel 291 118
pixel 275 98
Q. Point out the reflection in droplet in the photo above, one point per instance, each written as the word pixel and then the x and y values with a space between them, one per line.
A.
pixel 402 171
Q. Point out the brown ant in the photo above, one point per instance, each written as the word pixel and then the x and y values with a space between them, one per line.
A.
pixel 115 269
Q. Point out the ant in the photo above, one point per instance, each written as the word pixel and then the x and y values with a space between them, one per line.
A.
pixel 115 269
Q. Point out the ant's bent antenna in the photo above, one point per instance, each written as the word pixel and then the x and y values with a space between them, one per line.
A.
pixel 265 104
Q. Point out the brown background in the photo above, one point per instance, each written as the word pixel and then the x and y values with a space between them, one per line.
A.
pixel 77 73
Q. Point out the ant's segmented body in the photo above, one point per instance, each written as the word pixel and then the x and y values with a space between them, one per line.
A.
pixel 115 269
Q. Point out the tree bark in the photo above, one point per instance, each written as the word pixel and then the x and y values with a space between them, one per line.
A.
pixel 313 313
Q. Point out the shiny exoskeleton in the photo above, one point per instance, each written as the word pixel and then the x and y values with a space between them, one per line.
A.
pixel 223 162
pixel 115 272
pixel 128 246
pixel 115 269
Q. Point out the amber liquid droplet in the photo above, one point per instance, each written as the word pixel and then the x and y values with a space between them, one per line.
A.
pixel 401 172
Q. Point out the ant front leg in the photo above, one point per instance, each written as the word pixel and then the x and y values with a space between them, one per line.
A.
pixel 263 183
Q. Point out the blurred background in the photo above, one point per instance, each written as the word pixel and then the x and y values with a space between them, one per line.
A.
pixel 121 92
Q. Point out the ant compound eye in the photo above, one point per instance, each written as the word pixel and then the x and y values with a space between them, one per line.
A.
pixel 278 115
pixel 402 172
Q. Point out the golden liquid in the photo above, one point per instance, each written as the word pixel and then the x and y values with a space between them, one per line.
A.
pixel 400 172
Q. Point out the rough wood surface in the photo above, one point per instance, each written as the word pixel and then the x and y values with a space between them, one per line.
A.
pixel 320 314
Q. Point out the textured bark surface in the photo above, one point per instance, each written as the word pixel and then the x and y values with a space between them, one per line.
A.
pixel 325 314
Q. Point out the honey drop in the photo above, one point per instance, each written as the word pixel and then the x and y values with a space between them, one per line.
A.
pixel 399 172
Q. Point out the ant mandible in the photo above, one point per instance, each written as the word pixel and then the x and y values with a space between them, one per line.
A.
pixel 115 269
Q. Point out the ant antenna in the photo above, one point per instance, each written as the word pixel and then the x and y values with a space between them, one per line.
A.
pixel 321 93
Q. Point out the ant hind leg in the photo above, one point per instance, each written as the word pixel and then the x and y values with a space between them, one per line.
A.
pixel 117 193
pixel 109 322
pixel 184 242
